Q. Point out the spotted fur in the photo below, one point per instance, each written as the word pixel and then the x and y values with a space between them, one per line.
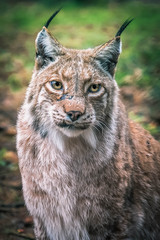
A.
pixel 94 178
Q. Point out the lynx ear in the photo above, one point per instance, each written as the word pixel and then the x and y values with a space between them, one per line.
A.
pixel 47 47
pixel 107 55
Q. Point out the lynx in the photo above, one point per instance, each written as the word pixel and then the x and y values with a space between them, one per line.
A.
pixel 88 172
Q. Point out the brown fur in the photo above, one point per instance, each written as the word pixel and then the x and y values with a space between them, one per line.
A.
pixel 96 177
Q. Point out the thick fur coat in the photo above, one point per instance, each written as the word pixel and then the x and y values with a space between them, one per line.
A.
pixel 88 172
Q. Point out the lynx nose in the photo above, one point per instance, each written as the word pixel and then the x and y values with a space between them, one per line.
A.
pixel 74 115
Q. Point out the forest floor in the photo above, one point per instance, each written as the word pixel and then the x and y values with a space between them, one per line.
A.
pixel 14 219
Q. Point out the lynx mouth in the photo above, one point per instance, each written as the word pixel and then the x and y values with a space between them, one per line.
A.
pixel 72 130
pixel 72 126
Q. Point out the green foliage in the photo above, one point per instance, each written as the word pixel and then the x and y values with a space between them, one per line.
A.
pixel 14 82
pixel 83 27
pixel 151 127
pixel 2 153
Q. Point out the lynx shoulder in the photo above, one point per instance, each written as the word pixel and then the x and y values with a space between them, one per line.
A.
pixel 88 172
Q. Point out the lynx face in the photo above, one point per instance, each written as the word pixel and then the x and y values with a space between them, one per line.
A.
pixel 73 96
pixel 74 90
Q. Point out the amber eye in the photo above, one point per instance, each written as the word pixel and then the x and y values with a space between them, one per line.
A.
pixel 94 88
pixel 56 85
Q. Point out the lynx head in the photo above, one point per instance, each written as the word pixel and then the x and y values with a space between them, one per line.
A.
pixel 73 92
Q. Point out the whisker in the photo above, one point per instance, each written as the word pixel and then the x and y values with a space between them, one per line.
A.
pixel 96 128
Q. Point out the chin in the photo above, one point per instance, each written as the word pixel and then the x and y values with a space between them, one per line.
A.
pixel 72 133
pixel 60 135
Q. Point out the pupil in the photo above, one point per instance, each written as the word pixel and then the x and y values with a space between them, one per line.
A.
pixel 57 84
pixel 94 86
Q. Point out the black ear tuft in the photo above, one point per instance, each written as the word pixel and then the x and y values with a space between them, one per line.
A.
pixel 50 19
pixel 124 25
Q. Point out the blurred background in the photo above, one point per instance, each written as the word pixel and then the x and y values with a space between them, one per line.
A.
pixel 80 24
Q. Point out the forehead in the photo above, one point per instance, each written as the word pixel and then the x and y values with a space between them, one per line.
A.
pixel 76 64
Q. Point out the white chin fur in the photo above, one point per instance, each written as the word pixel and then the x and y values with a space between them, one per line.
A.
pixel 88 135
pixel 60 137
pixel 71 133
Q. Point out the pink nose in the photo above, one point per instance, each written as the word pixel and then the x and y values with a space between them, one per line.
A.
pixel 74 115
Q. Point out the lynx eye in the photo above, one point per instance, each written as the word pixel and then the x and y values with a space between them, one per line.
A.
pixel 94 88
pixel 56 85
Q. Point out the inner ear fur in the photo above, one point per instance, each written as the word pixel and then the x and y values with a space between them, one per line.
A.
pixel 107 55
